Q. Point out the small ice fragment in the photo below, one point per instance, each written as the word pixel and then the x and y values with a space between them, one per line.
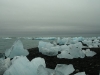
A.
pixel 90 53
pixel 80 73
pixel 65 69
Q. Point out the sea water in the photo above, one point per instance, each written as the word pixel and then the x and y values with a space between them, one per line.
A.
pixel 27 43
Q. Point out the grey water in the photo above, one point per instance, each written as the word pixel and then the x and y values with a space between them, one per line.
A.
pixel 7 43
pixel 27 43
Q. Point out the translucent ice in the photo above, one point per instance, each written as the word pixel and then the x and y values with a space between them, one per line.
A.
pixel 4 65
pixel 89 53
pixel 65 69
pixel 22 66
pixel 80 73
pixel 63 40
pixel 76 52
pixel 36 62
pixel 16 50
pixel 72 51
pixel 47 48
pixel 65 54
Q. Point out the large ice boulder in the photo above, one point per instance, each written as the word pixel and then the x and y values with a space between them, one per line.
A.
pixel 22 66
pixel 48 49
pixel 73 51
pixel 16 50
pixel 76 52
pixel 4 65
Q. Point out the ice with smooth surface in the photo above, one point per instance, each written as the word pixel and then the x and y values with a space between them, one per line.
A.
pixel 16 50
pixel 89 53
pixel 22 66
pixel 36 62
pixel 80 73
pixel 45 71
pixel 65 69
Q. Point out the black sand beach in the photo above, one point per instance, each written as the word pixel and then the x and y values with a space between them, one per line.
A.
pixel 91 65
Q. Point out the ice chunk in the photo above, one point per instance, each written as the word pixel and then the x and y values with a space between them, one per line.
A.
pixel 63 40
pixel 65 54
pixel 16 50
pixel 65 69
pixel 45 71
pixel 4 65
pixel 50 51
pixel 76 52
pixel 78 45
pixel 73 51
pixel 19 67
pixel 89 53
pixel 22 66
pixel 47 48
pixel 78 38
pixel 80 73
pixel 36 62
pixel 64 47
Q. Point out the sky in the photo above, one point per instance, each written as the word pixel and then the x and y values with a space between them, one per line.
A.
pixel 49 17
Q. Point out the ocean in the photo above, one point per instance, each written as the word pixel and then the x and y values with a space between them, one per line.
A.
pixel 27 43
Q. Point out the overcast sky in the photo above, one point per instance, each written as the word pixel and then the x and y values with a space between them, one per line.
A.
pixel 49 17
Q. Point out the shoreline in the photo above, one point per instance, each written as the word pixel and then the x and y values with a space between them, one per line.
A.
pixel 91 65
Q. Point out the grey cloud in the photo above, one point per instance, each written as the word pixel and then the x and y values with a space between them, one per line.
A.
pixel 18 17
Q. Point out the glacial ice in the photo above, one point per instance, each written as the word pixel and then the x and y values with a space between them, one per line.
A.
pixel 72 51
pixel 65 54
pixel 63 40
pixel 76 52
pixel 22 66
pixel 46 71
pixel 65 69
pixel 45 38
pixel 36 62
pixel 80 73
pixel 4 65
pixel 47 48
pixel 16 50
pixel 89 53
